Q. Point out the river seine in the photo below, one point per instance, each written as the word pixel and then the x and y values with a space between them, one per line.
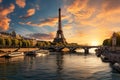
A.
pixel 56 66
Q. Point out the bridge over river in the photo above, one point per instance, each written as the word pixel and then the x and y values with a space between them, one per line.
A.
pixel 71 48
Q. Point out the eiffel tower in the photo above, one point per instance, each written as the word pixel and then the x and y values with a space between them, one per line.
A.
pixel 59 35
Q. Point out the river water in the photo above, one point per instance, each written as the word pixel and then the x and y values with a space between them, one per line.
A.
pixel 57 66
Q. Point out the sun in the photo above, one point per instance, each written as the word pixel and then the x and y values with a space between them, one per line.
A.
pixel 94 43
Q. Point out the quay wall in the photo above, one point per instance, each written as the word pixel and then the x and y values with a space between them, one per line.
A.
pixel 21 49
pixel 114 48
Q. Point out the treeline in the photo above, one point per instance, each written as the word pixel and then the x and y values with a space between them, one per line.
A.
pixel 16 43
pixel 49 43
pixel 43 43
pixel 13 42
pixel 108 42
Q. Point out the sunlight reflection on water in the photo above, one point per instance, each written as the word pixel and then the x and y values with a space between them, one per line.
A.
pixel 92 50
pixel 79 50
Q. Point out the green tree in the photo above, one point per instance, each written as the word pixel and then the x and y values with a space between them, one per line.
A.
pixel 15 42
pixel 107 42
pixel 20 43
pixel 8 42
pixel 24 43
pixel 2 42
pixel 28 43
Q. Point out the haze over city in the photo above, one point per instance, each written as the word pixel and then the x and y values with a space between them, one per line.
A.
pixel 86 22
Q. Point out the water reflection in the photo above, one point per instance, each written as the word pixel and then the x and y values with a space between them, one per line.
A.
pixel 59 62
pixel 12 60
pixel 56 67
pixel 10 66
pixel 30 62
pixel 91 50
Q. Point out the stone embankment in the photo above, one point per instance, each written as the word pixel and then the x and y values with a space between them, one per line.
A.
pixel 111 53
pixel 21 49
pixel 4 51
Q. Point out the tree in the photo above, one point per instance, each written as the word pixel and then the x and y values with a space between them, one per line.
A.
pixel 28 43
pixel 8 42
pixel 24 43
pixel 107 42
pixel 2 42
pixel 15 42
pixel 13 33
pixel 20 43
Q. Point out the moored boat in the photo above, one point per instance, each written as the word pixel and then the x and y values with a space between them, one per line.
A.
pixel 42 51
pixel 104 58
pixel 37 52
pixel 14 54
pixel 30 53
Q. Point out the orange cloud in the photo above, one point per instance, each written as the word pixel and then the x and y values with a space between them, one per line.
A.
pixel 67 27
pixel 4 20
pixel 111 5
pixel 44 22
pixel 21 3
pixel 79 9
pixel 41 36
pixel 95 19
pixel 29 13
pixel 0 1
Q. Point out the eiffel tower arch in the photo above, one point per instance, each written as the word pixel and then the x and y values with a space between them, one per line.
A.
pixel 59 35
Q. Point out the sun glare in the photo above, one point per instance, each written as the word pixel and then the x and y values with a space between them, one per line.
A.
pixel 94 43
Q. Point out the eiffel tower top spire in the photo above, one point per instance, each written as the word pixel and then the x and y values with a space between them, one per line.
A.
pixel 59 21
pixel 59 35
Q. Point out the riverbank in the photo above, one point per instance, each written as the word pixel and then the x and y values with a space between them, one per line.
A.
pixel 21 49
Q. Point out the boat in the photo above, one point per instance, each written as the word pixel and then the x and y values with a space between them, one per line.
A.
pixel 30 53
pixel 14 54
pixel 104 58
pixel 37 52
pixel 42 51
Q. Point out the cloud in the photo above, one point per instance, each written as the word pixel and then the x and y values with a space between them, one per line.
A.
pixel 41 36
pixel 48 22
pixel 79 9
pixel 91 19
pixel 0 1
pixel 67 27
pixel 29 13
pixel 4 20
pixel 21 3
pixel 44 22
pixel 111 4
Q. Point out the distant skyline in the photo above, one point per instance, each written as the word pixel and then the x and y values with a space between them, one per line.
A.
pixel 86 22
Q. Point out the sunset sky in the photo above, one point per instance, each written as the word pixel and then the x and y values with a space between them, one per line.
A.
pixel 86 22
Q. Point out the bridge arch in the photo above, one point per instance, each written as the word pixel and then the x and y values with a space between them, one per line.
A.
pixel 71 48
pixel 92 50
pixel 76 48
pixel 65 49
